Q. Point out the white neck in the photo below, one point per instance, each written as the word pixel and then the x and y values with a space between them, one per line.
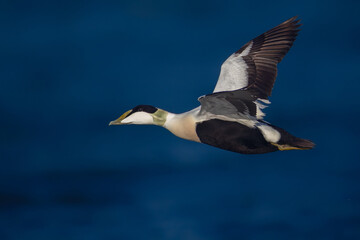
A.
pixel 183 125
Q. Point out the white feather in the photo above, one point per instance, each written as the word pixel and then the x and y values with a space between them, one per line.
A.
pixel 261 104
pixel 233 74
pixel 269 133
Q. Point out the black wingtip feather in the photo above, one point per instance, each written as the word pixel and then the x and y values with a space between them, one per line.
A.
pixel 268 49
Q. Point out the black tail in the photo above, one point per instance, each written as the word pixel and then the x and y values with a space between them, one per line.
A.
pixel 289 142
pixel 302 143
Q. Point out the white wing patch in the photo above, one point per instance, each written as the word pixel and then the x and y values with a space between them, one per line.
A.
pixel 247 50
pixel 233 74
pixel 270 134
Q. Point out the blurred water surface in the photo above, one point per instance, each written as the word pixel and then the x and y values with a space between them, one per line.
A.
pixel 69 67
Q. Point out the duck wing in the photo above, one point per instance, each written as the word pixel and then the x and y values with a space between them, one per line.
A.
pixel 248 75
pixel 255 64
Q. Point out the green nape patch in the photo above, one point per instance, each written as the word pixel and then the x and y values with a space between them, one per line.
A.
pixel 159 117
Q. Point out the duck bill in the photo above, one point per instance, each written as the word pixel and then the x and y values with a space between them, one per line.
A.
pixel 122 117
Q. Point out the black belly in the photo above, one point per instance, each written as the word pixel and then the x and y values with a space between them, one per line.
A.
pixel 233 136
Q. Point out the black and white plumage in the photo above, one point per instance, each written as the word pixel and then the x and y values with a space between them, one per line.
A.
pixel 231 117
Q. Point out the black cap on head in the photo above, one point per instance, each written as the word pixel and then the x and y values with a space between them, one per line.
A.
pixel 144 108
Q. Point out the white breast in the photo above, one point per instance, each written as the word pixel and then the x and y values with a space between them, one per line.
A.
pixel 183 125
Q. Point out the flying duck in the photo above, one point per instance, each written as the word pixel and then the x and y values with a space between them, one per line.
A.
pixel 231 117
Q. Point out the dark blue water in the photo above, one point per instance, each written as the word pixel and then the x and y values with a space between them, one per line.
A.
pixel 67 68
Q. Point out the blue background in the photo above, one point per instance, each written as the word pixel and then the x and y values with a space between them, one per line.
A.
pixel 69 67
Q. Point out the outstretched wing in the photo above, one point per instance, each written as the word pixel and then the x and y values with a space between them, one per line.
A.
pixel 255 64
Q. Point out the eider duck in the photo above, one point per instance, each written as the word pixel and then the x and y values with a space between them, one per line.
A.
pixel 231 117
